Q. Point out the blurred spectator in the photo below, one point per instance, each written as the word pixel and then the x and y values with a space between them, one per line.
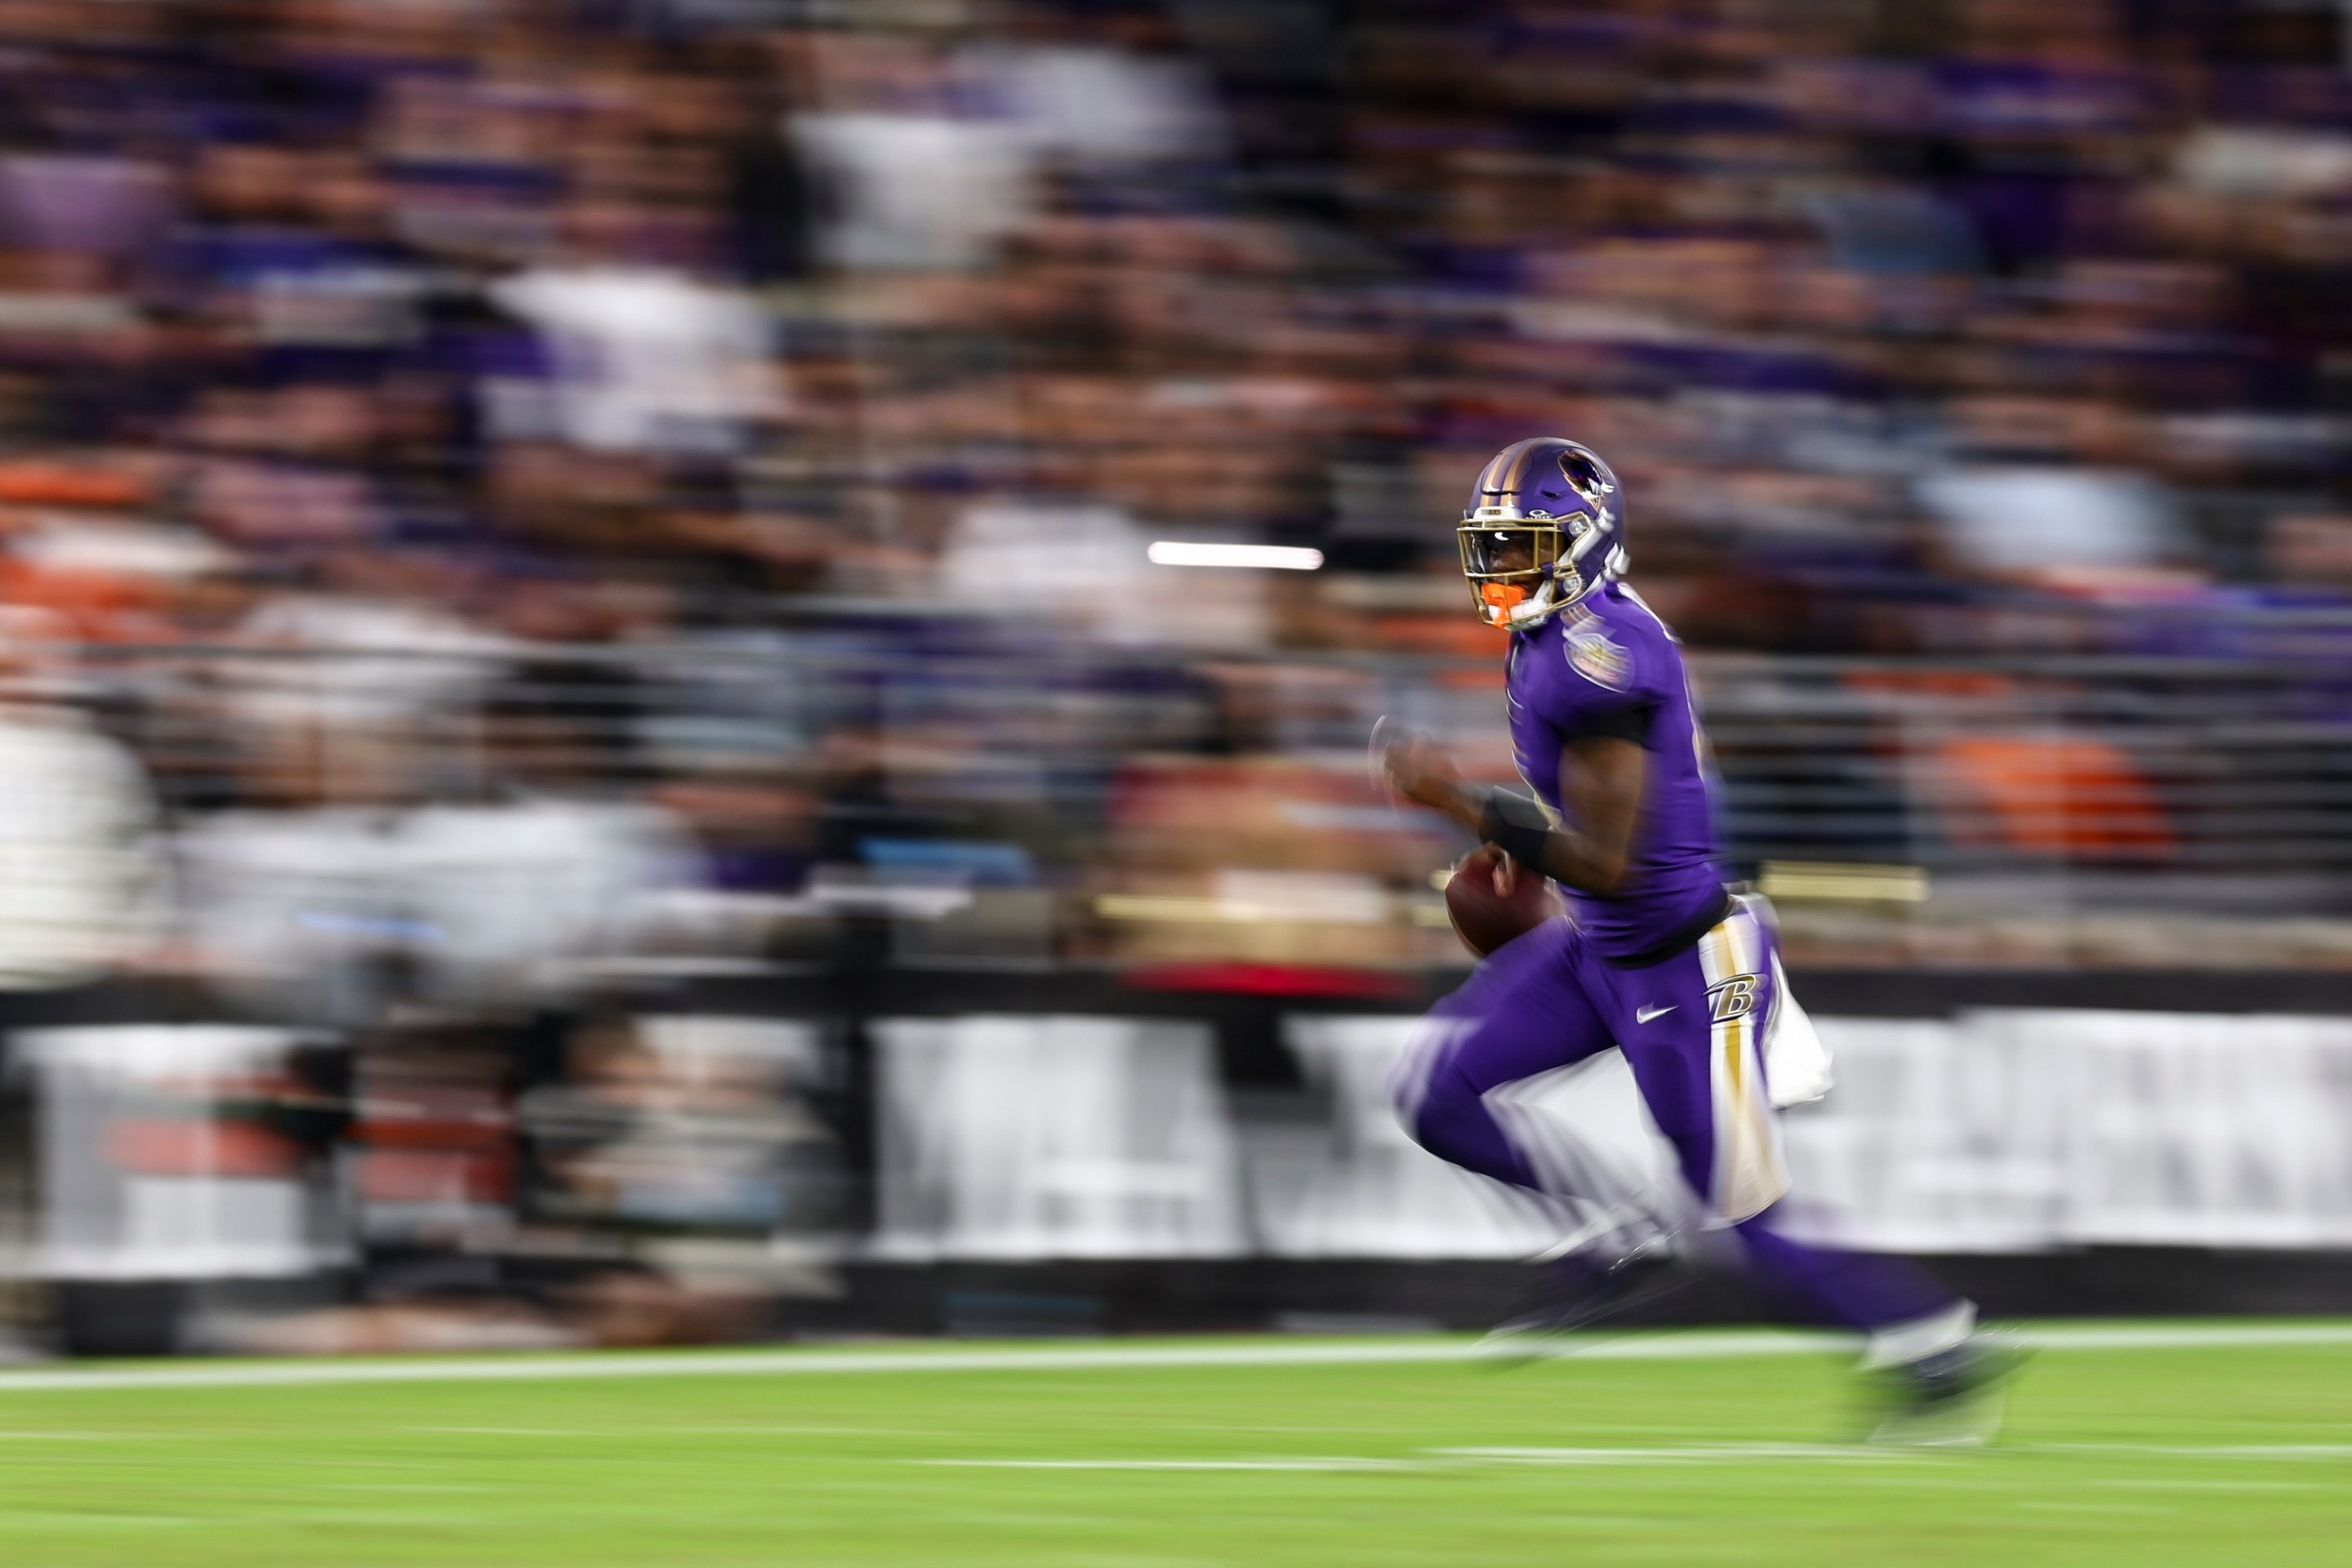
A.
pixel 643 360
pixel 81 886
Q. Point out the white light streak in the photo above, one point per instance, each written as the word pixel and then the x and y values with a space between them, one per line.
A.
pixel 1274 557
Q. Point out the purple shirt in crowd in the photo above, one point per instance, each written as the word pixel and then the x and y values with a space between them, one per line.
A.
pixel 1597 667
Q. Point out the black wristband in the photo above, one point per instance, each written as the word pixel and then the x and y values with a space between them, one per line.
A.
pixel 1516 826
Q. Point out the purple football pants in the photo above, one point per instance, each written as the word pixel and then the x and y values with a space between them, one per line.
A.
pixel 1691 1029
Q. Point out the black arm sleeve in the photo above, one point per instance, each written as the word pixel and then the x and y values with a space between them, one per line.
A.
pixel 1631 723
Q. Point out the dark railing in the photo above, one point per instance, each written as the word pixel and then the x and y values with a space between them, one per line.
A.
pixel 1943 797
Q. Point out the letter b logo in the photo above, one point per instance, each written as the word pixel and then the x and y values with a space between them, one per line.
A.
pixel 1735 998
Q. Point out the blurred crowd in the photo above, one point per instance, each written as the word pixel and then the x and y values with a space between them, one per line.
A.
pixel 494 487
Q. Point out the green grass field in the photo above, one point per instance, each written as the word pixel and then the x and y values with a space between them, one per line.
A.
pixel 1659 1449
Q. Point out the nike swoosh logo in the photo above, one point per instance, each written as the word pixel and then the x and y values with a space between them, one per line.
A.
pixel 1643 1015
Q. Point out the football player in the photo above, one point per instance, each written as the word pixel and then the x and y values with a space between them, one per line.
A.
pixel 1661 962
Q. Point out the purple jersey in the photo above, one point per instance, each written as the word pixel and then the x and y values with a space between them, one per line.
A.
pixel 1607 665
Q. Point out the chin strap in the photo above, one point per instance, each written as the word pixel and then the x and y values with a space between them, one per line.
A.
pixel 1535 611
pixel 1546 601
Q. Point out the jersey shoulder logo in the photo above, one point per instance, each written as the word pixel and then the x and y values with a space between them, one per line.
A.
pixel 1597 657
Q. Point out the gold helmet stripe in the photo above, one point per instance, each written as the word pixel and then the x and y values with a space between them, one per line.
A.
pixel 1520 454
pixel 1490 479
pixel 1507 469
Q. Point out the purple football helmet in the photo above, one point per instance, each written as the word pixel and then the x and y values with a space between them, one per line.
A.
pixel 1544 528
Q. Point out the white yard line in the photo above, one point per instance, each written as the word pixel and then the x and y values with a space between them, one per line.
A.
pixel 1303 1462
pixel 1707 1345
pixel 1685 1453
pixel 1841 1453
pixel 908 1359
pixel 2209 1450
pixel 2182 1336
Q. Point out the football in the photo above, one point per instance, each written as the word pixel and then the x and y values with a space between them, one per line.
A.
pixel 1487 911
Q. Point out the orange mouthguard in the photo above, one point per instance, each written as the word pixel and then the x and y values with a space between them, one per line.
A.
pixel 1500 599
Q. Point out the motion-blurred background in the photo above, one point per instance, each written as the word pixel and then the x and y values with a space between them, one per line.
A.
pixel 594 750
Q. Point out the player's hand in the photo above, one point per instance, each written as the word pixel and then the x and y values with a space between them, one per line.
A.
pixel 1418 769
